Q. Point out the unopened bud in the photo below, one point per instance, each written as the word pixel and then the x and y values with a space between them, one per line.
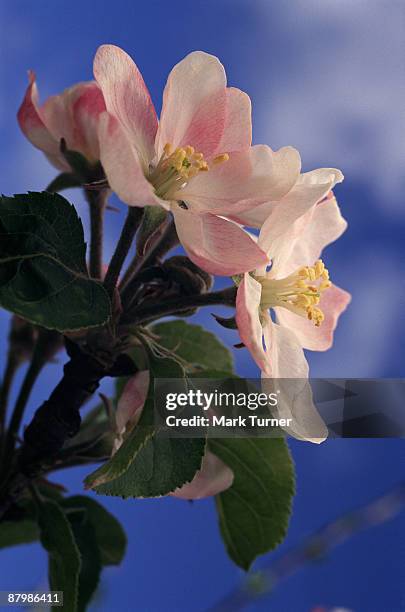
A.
pixel 190 278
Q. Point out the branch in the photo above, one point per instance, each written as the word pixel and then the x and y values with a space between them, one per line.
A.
pixel 177 305
pixel 316 546
pixel 58 419
pixel 54 422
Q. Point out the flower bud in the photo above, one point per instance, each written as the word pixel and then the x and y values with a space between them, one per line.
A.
pixel 130 405
pixel 192 278
pixel 69 119
pixel 188 277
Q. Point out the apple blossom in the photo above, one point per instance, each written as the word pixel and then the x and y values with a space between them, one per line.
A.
pixel 212 478
pixel 72 115
pixel 197 162
pixel 305 303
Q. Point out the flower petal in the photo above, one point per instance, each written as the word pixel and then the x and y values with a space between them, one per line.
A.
pixel 132 400
pixel 122 166
pixel 32 125
pixel 217 245
pixel 237 134
pixel 87 107
pixel 213 478
pixel 334 302
pixel 57 115
pixel 310 188
pixel 291 218
pixel 308 236
pixel 73 115
pixel 127 98
pixel 290 368
pixel 248 319
pixel 194 104
pixel 247 179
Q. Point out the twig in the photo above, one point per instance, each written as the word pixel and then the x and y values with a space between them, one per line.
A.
pixel 97 200
pixel 316 546
pixel 149 312
pixel 129 230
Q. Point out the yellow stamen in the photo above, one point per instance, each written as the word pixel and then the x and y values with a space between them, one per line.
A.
pixel 319 267
pixel 219 159
pixel 296 293
pixel 177 167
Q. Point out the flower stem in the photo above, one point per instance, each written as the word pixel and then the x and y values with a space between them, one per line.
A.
pixel 147 313
pixel 97 200
pixel 11 368
pixel 129 230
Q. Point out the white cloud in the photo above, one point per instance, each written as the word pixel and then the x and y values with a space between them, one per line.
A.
pixel 342 98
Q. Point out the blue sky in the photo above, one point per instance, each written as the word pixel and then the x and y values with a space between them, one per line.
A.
pixel 326 77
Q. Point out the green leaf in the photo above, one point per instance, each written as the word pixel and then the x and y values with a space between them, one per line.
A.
pixel 94 424
pixel 254 512
pixel 48 489
pixel 194 344
pixel 147 464
pixel 138 437
pixel 161 466
pixel 85 453
pixel 110 536
pixel 94 441
pixel 22 527
pixel 64 557
pixel 121 460
pixel 90 568
pixel 141 361
pixel 43 274
pixel 13 533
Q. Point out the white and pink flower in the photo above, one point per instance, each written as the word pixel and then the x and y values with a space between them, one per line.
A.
pixel 72 115
pixel 297 289
pixel 197 162
pixel 212 478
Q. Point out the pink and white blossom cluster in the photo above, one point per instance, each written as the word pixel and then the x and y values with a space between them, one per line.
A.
pixel 197 161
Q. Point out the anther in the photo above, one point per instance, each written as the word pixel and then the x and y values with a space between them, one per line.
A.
pixel 219 159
